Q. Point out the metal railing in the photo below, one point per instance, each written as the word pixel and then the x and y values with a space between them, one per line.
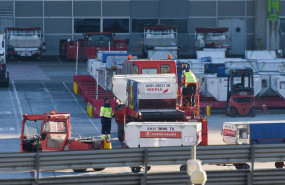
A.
pixel 233 177
pixel 222 154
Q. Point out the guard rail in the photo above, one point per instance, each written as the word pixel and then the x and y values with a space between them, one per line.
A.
pixel 228 177
pixel 219 154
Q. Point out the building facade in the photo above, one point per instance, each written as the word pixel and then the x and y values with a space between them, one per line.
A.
pixel 67 19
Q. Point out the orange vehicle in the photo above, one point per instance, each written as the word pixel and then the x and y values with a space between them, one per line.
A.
pixel 52 132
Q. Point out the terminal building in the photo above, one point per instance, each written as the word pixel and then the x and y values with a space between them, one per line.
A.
pixel 67 19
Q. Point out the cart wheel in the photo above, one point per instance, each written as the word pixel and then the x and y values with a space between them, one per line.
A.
pixel 242 166
pixel 148 168
pixel 183 168
pixel 238 166
pixel 245 166
pixel 136 169
pixel 279 164
pixel 98 169
pixel 252 112
pixel 233 112
pixel 79 170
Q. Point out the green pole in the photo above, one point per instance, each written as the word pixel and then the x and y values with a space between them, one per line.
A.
pixel 273 9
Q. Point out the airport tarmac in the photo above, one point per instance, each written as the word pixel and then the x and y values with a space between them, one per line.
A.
pixel 38 87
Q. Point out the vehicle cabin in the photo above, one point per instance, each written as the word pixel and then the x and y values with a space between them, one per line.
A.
pixel 47 132
pixel 149 67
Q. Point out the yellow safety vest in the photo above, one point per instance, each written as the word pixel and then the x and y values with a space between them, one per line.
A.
pixel 190 78
pixel 106 112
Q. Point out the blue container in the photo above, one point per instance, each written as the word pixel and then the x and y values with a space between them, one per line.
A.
pixel 212 68
pixel 221 72
pixel 105 55
pixel 267 133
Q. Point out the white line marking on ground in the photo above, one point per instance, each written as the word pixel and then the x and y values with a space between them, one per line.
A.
pixel 85 113
pixel 46 90
pixel 18 123
pixel 58 59
pixel 6 112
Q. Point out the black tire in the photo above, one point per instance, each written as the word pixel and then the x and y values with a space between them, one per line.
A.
pixel 136 169
pixel 252 112
pixel 233 112
pixel 79 170
pixel 246 166
pixel 121 132
pixel 227 110
pixel 241 166
pixel 183 168
pixel 279 164
pixel 98 169
pixel 148 168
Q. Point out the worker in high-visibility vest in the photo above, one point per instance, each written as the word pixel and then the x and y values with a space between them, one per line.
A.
pixel 190 84
pixel 106 114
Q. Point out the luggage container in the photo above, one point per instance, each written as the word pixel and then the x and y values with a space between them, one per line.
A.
pixel 254 132
pixel 142 94
pixel 160 134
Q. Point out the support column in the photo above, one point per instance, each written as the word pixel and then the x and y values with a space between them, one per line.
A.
pixel 260 24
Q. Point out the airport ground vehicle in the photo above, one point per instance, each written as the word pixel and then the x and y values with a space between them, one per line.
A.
pixel 212 38
pixel 126 112
pixel 254 132
pixel 4 74
pixel 159 41
pixel 240 93
pixel 52 132
pixel 89 46
pixel 2 48
pixel 24 42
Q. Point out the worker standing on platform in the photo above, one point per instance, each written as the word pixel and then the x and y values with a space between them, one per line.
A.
pixel 190 84
pixel 106 114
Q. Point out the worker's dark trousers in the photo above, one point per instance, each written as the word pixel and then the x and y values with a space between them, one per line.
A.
pixel 106 125
pixel 191 91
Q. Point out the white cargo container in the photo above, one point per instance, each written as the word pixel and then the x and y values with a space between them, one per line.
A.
pixel 260 54
pixel 278 84
pixel 159 134
pixel 120 83
pixel 217 86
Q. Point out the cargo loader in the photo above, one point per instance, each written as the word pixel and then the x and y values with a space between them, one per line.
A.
pixel 254 132
pixel 153 70
pixel 52 132
pixel 150 115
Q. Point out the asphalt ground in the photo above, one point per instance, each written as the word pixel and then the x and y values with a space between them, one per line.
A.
pixel 38 87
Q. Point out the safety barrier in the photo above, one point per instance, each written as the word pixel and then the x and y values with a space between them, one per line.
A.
pixel 224 177
pixel 213 154
pixel 221 154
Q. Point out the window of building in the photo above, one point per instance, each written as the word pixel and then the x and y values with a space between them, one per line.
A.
pixel 116 25
pixel 86 25
pixel 149 70
pixel 181 24
pixel 138 24
pixel 164 69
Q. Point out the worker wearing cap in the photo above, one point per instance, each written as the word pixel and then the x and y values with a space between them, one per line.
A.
pixel 190 84
pixel 106 114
